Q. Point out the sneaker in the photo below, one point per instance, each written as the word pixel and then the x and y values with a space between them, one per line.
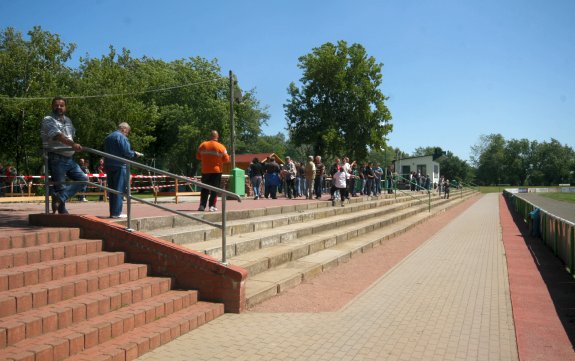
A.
pixel 84 199
pixel 213 209
pixel 202 208
pixel 120 216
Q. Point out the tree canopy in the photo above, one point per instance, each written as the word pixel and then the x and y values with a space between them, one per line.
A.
pixel 339 108
pixel 171 106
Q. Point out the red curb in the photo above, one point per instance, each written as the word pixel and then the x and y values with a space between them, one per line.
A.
pixel 539 331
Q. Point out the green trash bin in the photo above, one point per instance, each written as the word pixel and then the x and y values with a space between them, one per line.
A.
pixel 238 182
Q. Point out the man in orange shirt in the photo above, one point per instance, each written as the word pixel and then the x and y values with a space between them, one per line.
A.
pixel 212 154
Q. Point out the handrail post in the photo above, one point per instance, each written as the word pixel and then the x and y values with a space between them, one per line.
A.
pixel 429 197
pixel 129 196
pixel 46 183
pixel 224 230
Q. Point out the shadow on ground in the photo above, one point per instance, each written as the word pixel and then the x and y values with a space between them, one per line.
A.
pixel 560 284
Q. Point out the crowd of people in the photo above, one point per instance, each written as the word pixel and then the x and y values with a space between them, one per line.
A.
pixel 312 178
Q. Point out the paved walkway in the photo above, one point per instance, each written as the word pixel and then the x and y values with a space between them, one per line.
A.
pixel 448 300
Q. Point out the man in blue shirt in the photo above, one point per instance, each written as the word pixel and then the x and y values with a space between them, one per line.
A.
pixel 117 143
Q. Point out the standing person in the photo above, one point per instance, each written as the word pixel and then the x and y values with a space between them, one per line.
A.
pixel 446 186
pixel 309 177
pixel 289 176
pixel 84 167
pixel 272 178
pixel 339 182
pixel 319 174
pixel 369 179
pixel 101 174
pixel 117 143
pixel 1 180
pixel 212 154
pixel 256 172
pixel 58 133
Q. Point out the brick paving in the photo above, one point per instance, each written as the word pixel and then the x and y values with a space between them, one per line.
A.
pixel 448 300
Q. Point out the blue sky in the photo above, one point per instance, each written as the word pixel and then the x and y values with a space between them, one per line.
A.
pixel 453 69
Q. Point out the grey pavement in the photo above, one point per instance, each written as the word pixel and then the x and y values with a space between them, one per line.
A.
pixel 448 300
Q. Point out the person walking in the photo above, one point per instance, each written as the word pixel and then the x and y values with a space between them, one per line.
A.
pixel 117 143
pixel 58 132
pixel 213 155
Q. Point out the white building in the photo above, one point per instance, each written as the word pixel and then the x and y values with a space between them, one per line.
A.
pixel 425 165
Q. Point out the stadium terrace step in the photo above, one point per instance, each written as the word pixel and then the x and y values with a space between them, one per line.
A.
pixel 179 230
pixel 62 297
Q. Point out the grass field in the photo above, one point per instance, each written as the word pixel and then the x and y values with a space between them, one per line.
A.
pixel 559 196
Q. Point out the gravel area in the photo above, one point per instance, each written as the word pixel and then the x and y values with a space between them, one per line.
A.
pixel 335 288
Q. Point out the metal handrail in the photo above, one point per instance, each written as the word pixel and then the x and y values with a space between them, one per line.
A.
pixel 224 194
pixel 398 177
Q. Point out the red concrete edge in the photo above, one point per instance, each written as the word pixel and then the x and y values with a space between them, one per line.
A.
pixel 190 269
pixel 539 332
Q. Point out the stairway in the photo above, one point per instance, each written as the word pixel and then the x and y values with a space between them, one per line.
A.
pixel 63 297
pixel 284 245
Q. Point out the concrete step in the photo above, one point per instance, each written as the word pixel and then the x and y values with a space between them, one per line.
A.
pixel 52 292
pixel 16 257
pixel 332 217
pixel 60 344
pixel 32 274
pixel 276 217
pixel 273 281
pixel 292 249
pixel 35 322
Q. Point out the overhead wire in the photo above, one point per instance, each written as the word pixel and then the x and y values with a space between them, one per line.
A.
pixel 5 97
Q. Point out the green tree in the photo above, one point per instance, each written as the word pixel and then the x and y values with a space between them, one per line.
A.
pixel 554 161
pixel 489 156
pixel 29 68
pixel 339 108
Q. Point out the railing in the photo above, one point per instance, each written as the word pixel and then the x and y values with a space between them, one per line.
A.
pixel 556 233
pixel 417 188
pixel 224 194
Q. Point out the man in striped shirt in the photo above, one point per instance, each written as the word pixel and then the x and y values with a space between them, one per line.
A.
pixel 58 139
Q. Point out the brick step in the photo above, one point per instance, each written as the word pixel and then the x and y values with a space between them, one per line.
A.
pixel 146 338
pixel 46 293
pixel 85 335
pixel 37 238
pixel 17 277
pixel 51 318
pixel 275 280
pixel 16 257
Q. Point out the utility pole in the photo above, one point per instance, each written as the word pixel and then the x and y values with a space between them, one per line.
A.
pixel 232 125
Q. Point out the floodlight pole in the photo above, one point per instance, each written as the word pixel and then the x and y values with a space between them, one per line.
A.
pixel 232 125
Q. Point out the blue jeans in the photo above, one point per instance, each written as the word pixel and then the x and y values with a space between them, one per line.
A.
pixel 256 184
pixel 116 181
pixel 60 168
